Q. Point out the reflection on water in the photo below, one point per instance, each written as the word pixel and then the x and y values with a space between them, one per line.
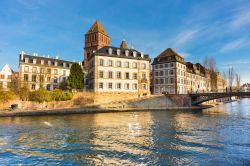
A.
pixel 216 136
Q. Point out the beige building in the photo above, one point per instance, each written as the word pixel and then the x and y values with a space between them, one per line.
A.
pixel 6 75
pixel 43 72
pixel 171 74
pixel 114 69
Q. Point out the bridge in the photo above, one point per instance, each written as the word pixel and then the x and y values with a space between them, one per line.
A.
pixel 198 98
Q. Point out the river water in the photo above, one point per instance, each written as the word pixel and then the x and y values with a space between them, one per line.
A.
pixel 216 136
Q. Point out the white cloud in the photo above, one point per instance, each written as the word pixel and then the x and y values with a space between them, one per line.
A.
pixel 184 37
pixel 233 45
pixel 240 20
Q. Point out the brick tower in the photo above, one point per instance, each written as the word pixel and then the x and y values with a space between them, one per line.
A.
pixel 95 38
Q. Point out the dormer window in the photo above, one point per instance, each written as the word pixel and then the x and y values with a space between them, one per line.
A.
pixel 126 52
pixel 26 60
pixel 118 52
pixel 134 54
pixel 34 61
pixel 142 55
pixel 110 51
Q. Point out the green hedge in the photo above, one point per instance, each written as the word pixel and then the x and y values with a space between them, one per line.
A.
pixel 42 95
pixel 7 95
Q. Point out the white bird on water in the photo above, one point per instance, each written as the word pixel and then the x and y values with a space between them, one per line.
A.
pixel 48 124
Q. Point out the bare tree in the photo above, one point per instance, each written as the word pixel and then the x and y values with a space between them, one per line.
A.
pixel 210 64
pixel 238 81
pixel 230 76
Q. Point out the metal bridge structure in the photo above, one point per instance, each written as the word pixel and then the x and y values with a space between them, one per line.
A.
pixel 198 98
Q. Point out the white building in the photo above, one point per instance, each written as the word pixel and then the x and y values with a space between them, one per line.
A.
pixel 113 69
pixel 171 74
pixel 5 77
pixel 43 72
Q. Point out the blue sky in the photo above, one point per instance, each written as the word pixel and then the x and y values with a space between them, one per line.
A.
pixel 195 29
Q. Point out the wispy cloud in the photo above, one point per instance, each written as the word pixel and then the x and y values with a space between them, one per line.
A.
pixel 241 19
pixel 185 37
pixel 233 45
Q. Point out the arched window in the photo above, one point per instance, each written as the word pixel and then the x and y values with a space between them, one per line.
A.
pixel 110 62
pixel 118 64
pixel 143 66
pixel 134 65
pixel 126 64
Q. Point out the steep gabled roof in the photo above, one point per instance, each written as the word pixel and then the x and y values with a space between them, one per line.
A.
pixel 168 55
pixel 168 52
pixel 97 27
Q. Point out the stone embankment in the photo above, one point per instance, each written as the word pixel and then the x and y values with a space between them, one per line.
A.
pixel 77 106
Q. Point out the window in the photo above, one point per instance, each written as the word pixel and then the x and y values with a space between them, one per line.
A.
pixel 118 86
pixel 34 61
pixel 171 72
pixel 110 51
pixel 101 62
pixel 33 86
pixel 110 63
pixel 49 62
pixel 135 86
pixel 171 64
pixel 166 65
pixel 118 75
pixel 2 76
pixel 110 74
pixel 144 76
pixel 34 69
pixel 171 80
pixel 42 70
pixel 156 73
pixel 118 51
pixel 64 72
pixel 110 85
pixel 26 60
pixel 134 53
pixel 55 79
pixel 26 68
pixel 126 52
pixel 166 72
pixel 126 86
pixel 161 66
pixel 42 78
pixel 127 75
pixel 144 86
pixel 162 81
pixel 34 78
pixel 101 85
pixel 161 73
pixel 26 77
pixel 134 65
pixel 118 64
pixel 42 62
pixel 166 81
pixel 143 66
pixel 135 76
pixel 126 64
pixel 48 79
pixel 48 71
pixel 101 74
pixel 156 81
pixel 55 71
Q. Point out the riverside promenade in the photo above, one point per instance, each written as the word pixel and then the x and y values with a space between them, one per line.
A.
pixel 87 110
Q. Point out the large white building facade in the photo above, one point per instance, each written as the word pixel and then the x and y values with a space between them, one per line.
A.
pixel 113 69
pixel 43 72
pixel 171 74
